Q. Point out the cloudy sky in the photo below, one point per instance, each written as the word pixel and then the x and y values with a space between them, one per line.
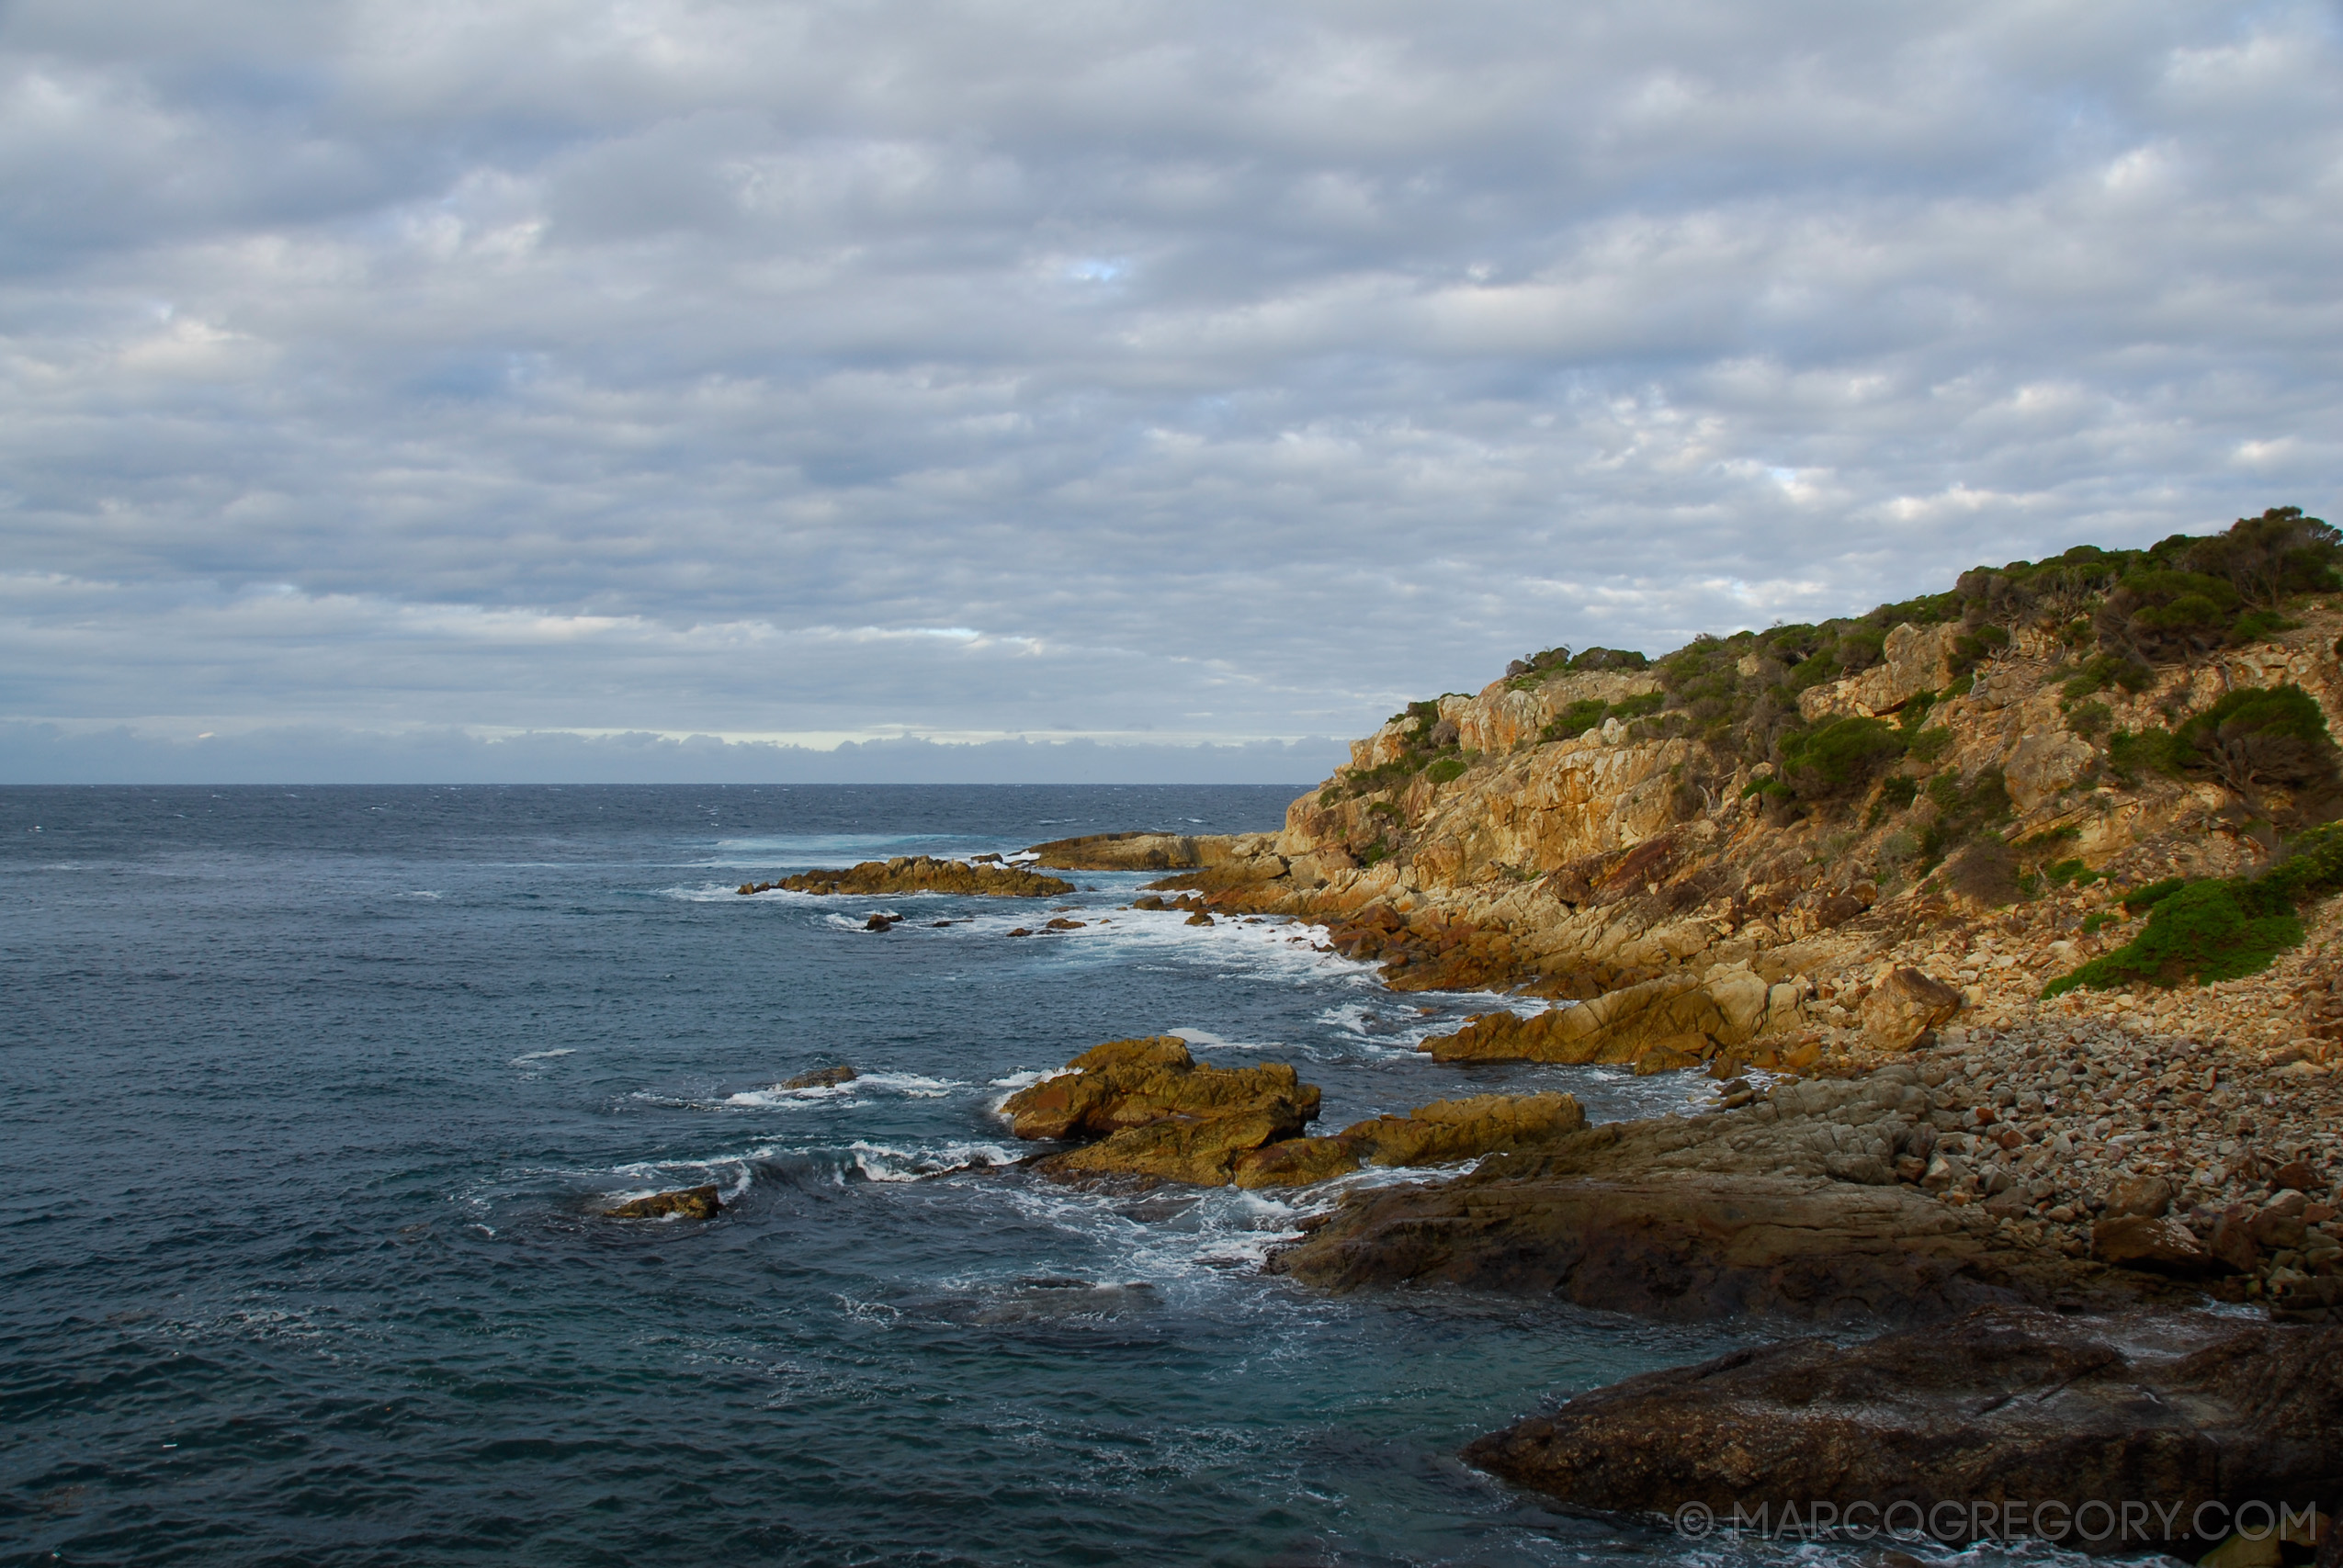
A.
pixel 383 378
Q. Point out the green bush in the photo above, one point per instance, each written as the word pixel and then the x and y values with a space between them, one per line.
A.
pixel 2206 932
pixel 2096 920
pixel 1444 769
pixel 2218 930
pixel 1963 810
pixel 2149 751
pixel 2257 735
pixel 2070 872
pixel 1839 758
pixel 2091 720
pixel 2154 893
pixel 1929 744
pixel 1974 647
pixel 2104 670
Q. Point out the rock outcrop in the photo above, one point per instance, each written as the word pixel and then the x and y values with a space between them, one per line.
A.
pixel 689 1203
pixel 1791 1206
pixel 1255 852
pixel 1677 1012
pixel 1950 1423
pixel 1439 1134
pixel 821 1078
pixel 921 874
pixel 1159 1113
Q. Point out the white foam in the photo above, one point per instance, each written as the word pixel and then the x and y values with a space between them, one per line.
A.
pixel 879 1163
pixel 1015 1081
pixel 1205 1039
pixel 543 1055
pixel 911 1085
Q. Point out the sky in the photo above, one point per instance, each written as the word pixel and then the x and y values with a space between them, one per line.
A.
pixel 679 389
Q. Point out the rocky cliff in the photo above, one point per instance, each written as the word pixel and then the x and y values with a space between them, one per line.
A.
pixel 1967 786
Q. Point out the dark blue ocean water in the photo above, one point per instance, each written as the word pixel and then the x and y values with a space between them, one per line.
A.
pixel 310 1094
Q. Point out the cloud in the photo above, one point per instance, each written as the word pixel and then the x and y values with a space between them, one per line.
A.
pixel 1193 372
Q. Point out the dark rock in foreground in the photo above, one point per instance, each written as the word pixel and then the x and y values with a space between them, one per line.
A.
pixel 822 1078
pixel 1789 1207
pixel 921 874
pixel 2005 1405
pixel 691 1203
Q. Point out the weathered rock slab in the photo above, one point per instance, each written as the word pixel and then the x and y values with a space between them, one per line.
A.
pixel 2004 1405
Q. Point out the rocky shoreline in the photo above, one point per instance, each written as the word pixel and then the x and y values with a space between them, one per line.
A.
pixel 2004 923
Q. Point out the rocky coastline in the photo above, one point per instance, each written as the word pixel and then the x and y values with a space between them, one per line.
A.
pixel 920 873
pixel 2002 921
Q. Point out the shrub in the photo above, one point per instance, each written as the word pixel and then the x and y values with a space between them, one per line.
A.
pixel 2218 930
pixel 2104 670
pixel 2070 872
pixel 1608 658
pixel 2257 735
pixel 1445 770
pixel 1962 810
pixel 2269 556
pixel 1839 758
pixel 2163 614
pixel 1986 871
pixel 2154 893
pixel 2095 922
pixel 2091 720
pixel 2149 751
pixel 1974 647
pixel 1929 744
pixel 2205 931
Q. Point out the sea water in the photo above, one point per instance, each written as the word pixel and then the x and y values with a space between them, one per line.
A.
pixel 312 1097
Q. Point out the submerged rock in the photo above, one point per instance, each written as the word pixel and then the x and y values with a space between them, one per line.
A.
pixel 822 1078
pixel 922 873
pixel 2003 1405
pixel 690 1203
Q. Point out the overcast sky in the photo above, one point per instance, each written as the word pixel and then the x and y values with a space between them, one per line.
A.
pixel 1138 371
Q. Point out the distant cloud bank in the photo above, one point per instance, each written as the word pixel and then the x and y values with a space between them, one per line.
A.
pixel 1181 370
pixel 43 754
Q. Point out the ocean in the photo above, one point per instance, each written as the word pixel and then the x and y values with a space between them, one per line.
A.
pixel 311 1095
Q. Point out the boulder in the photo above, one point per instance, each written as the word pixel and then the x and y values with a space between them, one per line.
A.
pixel 2146 1195
pixel 1905 1007
pixel 2156 1245
pixel 2298 1175
pixel 2003 1405
pixel 821 1078
pixel 690 1203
